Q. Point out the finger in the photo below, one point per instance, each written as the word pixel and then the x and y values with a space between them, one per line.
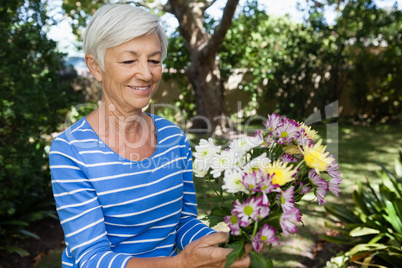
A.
pixel 214 239
pixel 248 248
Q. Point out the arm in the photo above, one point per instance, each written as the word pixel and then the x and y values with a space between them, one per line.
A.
pixel 189 228
pixel 79 210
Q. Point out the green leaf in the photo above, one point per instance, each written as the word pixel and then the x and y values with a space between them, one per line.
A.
pixel 30 234
pixel 339 240
pixel 20 223
pixel 361 231
pixel 216 216
pixel 394 259
pixel 14 249
pixel 237 252
pixel 362 204
pixel 392 217
pixel 365 247
pixel 342 213
pixel 258 260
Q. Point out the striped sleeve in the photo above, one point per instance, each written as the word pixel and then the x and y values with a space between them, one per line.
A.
pixel 79 210
pixel 189 228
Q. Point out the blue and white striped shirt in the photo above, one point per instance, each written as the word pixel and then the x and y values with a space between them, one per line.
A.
pixel 112 209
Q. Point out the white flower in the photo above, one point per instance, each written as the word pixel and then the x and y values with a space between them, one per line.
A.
pixel 227 159
pixel 260 162
pixel 206 149
pixel 200 167
pixel 246 143
pixel 232 181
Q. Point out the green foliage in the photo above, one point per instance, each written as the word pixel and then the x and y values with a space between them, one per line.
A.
pixel 365 57
pixel 31 101
pixel 177 60
pixel 296 68
pixel 373 227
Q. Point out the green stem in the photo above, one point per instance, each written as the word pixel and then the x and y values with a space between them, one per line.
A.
pixel 219 195
pixel 298 165
pixel 255 230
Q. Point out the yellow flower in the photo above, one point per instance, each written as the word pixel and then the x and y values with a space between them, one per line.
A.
pixel 316 157
pixel 311 133
pixel 283 172
pixel 293 149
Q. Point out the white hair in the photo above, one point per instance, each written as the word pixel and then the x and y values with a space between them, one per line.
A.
pixel 115 24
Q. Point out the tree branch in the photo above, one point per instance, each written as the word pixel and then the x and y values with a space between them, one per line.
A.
pixel 221 30
pixel 190 15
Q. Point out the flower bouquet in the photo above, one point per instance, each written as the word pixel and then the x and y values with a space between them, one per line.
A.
pixel 265 175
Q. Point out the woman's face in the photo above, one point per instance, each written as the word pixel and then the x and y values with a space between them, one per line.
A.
pixel 132 73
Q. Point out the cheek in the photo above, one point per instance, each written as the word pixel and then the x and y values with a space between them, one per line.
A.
pixel 157 74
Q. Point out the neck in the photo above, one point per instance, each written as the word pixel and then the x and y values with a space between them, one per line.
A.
pixel 113 120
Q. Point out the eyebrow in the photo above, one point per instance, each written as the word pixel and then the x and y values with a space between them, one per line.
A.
pixel 135 53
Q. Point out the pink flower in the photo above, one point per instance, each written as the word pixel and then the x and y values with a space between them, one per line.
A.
pixel 233 222
pixel 274 121
pixel 287 199
pixel 266 235
pixel 251 209
pixel 259 181
pixel 288 221
pixel 288 131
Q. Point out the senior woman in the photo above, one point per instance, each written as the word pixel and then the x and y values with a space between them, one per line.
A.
pixel 122 178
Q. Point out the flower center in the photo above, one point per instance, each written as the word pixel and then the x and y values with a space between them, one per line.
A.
pixel 248 210
pixel 233 219
pixel 283 200
pixel 263 238
pixel 284 134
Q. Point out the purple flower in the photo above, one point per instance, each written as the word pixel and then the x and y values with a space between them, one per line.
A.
pixel 233 222
pixel 288 131
pixel 288 221
pixel 335 174
pixel 333 186
pixel 287 158
pixel 251 209
pixel 266 235
pixel 304 188
pixel 258 181
pixel 287 199
pixel 321 186
pixel 274 121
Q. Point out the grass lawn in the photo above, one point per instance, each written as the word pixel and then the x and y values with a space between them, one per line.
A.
pixel 358 149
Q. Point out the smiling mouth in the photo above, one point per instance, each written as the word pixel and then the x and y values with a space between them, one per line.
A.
pixel 140 88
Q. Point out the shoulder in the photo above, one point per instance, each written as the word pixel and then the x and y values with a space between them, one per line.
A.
pixel 163 125
pixel 79 135
pixel 168 132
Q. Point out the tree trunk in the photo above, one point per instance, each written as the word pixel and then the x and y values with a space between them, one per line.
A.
pixel 203 72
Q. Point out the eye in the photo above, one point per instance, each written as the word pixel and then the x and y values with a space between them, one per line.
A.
pixel 128 62
pixel 155 62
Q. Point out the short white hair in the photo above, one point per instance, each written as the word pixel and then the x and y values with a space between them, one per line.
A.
pixel 116 24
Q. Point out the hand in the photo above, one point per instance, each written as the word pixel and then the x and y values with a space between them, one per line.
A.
pixel 204 252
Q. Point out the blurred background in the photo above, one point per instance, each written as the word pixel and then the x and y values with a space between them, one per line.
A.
pixel 335 64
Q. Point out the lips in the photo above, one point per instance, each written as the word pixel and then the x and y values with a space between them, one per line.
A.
pixel 140 88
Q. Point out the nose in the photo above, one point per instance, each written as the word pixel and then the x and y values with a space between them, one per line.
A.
pixel 143 71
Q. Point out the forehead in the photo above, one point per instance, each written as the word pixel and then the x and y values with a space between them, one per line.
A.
pixel 146 44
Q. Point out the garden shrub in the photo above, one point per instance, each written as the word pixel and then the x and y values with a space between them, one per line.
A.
pixel 33 101
pixel 373 226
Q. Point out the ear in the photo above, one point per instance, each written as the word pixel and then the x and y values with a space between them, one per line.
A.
pixel 93 67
